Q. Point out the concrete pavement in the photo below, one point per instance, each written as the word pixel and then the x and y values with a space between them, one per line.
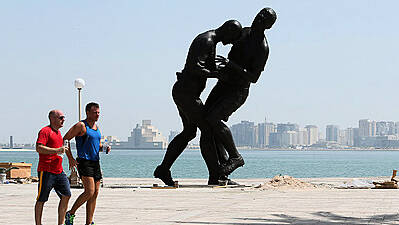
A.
pixel 132 201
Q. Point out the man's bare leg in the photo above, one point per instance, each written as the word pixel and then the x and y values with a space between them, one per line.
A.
pixel 62 208
pixel 91 203
pixel 38 212
pixel 89 189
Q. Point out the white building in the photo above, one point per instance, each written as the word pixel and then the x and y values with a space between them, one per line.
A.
pixel 284 139
pixel 313 134
pixel 146 136
pixel 302 137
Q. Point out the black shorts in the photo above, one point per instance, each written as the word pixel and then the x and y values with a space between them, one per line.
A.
pixel 48 181
pixel 88 168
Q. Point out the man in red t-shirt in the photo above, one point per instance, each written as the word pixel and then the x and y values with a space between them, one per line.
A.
pixel 50 147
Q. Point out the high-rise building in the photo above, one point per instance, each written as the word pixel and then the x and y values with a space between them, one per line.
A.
pixel 285 135
pixel 367 128
pixel 356 136
pixel 256 132
pixel 332 133
pixel 373 128
pixel 244 134
pixel 11 142
pixel 391 128
pixel 264 130
pixel 342 139
pixel 275 139
pixel 385 128
pixel 283 127
pixel 284 139
pixel 302 137
pixel 313 134
pixel 290 138
pixel 351 136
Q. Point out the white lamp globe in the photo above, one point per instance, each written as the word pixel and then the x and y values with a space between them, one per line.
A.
pixel 79 83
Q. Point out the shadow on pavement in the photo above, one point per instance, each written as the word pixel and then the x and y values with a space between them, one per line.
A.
pixel 321 218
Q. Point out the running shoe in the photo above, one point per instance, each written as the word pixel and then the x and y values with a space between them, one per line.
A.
pixel 69 218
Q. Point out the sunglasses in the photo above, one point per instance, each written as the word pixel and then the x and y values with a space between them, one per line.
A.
pixel 61 117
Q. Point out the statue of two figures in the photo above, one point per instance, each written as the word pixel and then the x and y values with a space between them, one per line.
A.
pixel 244 64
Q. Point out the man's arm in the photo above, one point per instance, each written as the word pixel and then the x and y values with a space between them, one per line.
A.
pixel 71 160
pixel 42 149
pixel 202 62
pixel 77 130
pixel 203 71
pixel 244 73
pixel 250 76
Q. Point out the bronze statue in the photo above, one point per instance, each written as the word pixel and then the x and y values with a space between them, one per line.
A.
pixel 200 65
pixel 246 61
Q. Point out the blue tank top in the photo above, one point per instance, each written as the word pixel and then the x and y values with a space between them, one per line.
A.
pixel 88 145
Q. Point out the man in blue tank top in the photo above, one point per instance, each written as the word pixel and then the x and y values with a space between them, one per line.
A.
pixel 87 137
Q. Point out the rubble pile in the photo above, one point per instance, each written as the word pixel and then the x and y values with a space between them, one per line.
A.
pixel 285 182
pixel 27 180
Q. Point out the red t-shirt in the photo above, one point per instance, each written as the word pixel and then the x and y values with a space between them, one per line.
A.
pixel 53 139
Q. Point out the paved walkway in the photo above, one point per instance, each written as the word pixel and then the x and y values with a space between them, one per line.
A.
pixel 122 202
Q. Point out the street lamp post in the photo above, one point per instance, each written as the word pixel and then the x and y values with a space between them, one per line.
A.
pixel 79 84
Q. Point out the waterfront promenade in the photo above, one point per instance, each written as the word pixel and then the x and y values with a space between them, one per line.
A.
pixel 132 201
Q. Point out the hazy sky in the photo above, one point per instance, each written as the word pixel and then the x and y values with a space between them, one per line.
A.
pixel 330 62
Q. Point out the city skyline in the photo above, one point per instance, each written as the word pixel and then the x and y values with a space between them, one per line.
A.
pixel 369 134
pixel 329 62
pixel 321 133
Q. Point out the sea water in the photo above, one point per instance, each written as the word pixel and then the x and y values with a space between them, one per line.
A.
pixel 258 163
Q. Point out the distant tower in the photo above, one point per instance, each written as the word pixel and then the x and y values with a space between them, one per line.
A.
pixel 367 128
pixel 312 134
pixel 11 142
pixel 244 133
pixel 332 133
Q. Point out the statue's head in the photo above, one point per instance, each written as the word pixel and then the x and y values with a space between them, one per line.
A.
pixel 230 31
pixel 264 19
